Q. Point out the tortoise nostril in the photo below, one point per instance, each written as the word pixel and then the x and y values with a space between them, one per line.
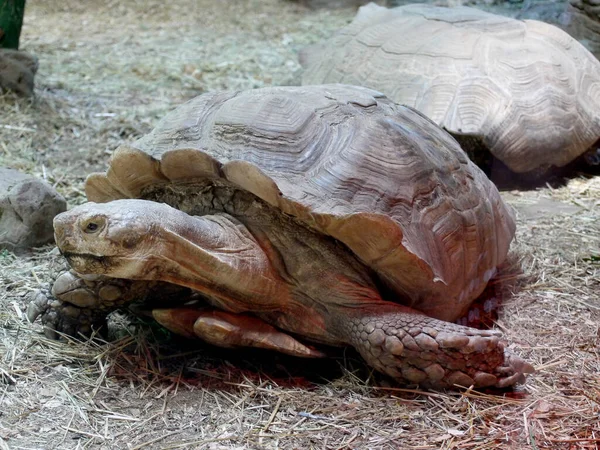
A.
pixel 62 237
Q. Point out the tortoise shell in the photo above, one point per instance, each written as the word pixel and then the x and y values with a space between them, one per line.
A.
pixel 347 162
pixel 527 89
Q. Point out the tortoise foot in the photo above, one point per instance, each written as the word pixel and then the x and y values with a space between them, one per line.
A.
pixel 416 349
pixel 62 318
pixel 78 306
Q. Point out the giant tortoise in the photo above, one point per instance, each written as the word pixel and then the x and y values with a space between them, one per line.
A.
pixel 525 91
pixel 284 216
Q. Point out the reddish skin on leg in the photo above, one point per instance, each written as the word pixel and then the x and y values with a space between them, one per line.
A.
pixel 231 330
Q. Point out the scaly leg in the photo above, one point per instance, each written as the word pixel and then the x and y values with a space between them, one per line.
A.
pixel 77 306
pixel 416 349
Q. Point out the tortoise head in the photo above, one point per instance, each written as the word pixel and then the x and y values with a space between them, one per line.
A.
pixel 115 239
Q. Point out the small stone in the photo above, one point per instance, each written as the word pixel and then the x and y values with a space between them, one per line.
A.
pixel 17 71
pixel 27 207
pixel 394 346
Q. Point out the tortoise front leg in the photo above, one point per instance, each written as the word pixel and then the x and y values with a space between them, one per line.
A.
pixel 77 306
pixel 416 349
pixel 63 318
pixel 231 330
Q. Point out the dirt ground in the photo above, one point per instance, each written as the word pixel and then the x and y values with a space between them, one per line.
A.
pixel 108 71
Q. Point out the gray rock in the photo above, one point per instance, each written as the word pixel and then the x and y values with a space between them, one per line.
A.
pixel 546 11
pixel 27 207
pixel 582 21
pixel 17 70
pixel 333 4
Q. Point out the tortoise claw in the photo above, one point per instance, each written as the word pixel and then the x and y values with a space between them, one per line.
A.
pixel 515 370
pixel 38 304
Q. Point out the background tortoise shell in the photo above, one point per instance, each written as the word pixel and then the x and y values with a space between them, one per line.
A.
pixel 348 162
pixel 529 90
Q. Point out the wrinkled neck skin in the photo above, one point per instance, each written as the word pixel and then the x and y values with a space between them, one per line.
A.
pixel 218 257
pixel 305 259
pixel 241 253
pixel 261 261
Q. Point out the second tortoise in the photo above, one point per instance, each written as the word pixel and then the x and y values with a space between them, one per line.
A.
pixel 523 90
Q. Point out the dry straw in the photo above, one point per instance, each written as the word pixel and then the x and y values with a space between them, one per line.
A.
pixel 108 72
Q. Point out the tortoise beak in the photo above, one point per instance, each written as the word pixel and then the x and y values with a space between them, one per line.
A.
pixel 63 232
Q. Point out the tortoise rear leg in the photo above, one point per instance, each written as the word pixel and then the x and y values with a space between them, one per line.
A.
pixel 416 349
pixel 231 330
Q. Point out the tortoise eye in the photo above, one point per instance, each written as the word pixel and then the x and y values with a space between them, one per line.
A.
pixel 91 227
